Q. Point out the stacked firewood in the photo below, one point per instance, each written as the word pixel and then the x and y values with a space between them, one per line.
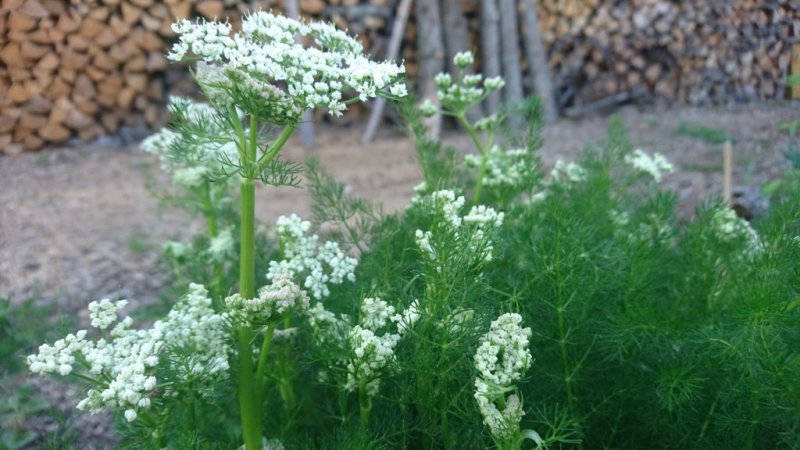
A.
pixel 692 50
pixel 83 68
pixel 604 52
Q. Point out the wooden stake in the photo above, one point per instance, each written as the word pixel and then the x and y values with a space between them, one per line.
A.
pixel 307 125
pixel 796 70
pixel 727 173
pixel 398 31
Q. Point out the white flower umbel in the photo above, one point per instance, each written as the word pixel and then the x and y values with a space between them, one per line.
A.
pixel 503 356
pixel 654 166
pixel 318 265
pixel 375 313
pixel 367 347
pixel 268 73
pixel 371 356
pixel 509 168
pixel 566 174
pixel 471 232
pixel 192 161
pixel 272 303
pixel 651 230
pixel 459 94
pixel 501 360
pixel 731 228
pixel 122 366
pixel 104 312
pixel 222 245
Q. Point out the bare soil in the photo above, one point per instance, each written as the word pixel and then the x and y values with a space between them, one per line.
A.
pixel 78 223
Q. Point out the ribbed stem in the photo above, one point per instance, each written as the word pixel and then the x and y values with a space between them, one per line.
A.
pixel 249 406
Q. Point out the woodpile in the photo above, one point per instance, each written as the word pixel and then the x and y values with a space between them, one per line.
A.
pixel 603 52
pixel 696 51
pixel 82 68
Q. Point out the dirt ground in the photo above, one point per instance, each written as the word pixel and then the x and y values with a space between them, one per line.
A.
pixel 78 223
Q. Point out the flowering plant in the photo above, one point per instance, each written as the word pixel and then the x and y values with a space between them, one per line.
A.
pixel 358 329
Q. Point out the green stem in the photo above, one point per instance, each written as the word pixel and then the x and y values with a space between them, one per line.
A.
pixel 276 146
pixel 364 403
pixel 262 362
pixel 481 149
pixel 249 408
pixel 250 388
pixel 562 334
pixel 210 212
pixel 285 372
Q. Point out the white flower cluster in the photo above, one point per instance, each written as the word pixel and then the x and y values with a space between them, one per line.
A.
pixel 503 356
pixel 104 312
pixel 470 231
pixel 653 229
pixel 457 96
pixel 320 265
pixel 502 359
pixel 731 228
pixel 123 366
pixel 263 67
pixel 655 165
pixel 222 245
pixel 192 165
pixel 273 301
pixel 174 249
pixel 503 167
pixel 566 174
pixel 369 345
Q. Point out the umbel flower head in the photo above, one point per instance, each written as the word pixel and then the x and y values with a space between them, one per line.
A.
pixel 192 159
pixel 267 73
pixel 501 360
pixel 122 364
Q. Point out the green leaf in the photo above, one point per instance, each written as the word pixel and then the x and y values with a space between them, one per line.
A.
pixel 790 127
pixel 534 436
pixel 793 80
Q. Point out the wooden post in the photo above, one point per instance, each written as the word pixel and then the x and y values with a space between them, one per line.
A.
pixel 398 30
pixel 727 173
pixel 796 70
pixel 307 125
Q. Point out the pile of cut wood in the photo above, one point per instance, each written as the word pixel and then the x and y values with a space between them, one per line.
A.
pixel 82 68
pixel 696 51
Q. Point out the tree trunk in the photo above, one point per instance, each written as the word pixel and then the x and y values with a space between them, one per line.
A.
pixel 539 70
pixel 490 48
pixel 430 55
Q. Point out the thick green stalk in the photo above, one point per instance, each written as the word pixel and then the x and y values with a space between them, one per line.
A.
pixel 364 403
pixel 262 362
pixel 250 410
pixel 249 406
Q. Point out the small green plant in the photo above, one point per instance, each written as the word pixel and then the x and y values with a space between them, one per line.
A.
pixel 703 133
pixel 791 126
